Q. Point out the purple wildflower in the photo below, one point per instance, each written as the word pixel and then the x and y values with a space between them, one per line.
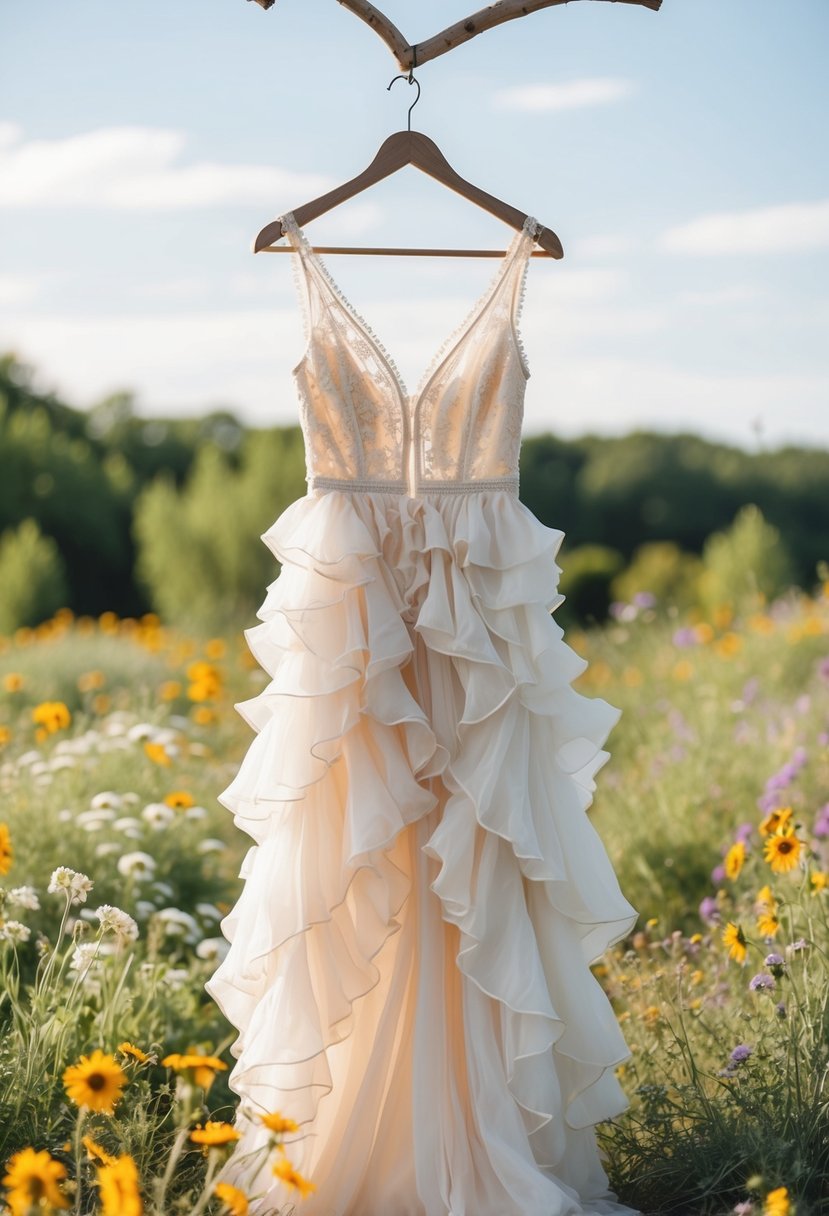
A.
pixel 743 832
pixel 746 1208
pixel 685 636
pixel 823 669
pixel 774 960
pixel 718 874
pixel 644 599
pixel 740 1053
pixel 821 824
pixel 709 910
pixel 750 690
pixel 762 983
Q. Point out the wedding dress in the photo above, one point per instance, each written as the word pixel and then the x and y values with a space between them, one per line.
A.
pixel 409 960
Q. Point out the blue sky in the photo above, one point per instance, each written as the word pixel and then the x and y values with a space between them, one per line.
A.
pixel 679 155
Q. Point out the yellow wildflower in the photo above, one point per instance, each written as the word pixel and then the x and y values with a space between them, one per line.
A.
pixel 88 681
pixel 6 850
pixel 170 690
pixel 286 1173
pixel 214 1134
pixel 728 645
pixel 776 820
pixel 683 670
pixel 734 859
pixel 782 850
pixel 819 880
pixel 279 1123
pixel 777 1203
pixel 118 1188
pixel 32 1178
pixel 51 715
pixel 734 938
pixel 203 1068
pixel 13 681
pixel 95 1082
pixel 129 1049
pixel 5 735
pixel 157 752
pixel 236 1201
pixel 179 800
pixel 108 622
pixel 97 1152
pixel 703 632
pixel 203 715
pixel 215 648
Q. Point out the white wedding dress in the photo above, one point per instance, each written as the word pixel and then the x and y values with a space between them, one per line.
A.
pixel 409 962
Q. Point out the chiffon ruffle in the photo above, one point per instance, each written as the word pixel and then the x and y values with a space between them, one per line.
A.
pixel 409 961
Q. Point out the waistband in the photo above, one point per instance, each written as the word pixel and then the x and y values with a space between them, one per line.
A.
pixel 349 486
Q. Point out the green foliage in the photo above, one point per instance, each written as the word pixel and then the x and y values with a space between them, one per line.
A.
pixel 200 551
pixel 746 564
pixel 587 574
pixel 663 569
pixel 32 576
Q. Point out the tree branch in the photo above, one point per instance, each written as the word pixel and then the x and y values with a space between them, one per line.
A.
pixel 485 19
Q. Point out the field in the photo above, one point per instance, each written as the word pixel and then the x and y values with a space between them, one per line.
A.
pixel 117 863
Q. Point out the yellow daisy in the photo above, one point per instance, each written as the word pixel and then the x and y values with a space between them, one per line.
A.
pixel 13 681
pixel 203 1068
pixel 819 880
pixel 97 1152
pixel 95 1082
pixel 734 938
pixel 279 1123
pixel 734 859
pixel 129 1049
pixel 118 1188
pixel 51 715
pixel 236 1201
pixel 179 800
pixel 33 1177
pixel 782 850
pixel 286 1173
pixel 157 752
pixel 6 850
pixel 777 1203
pixel 775 820
pixel 214 1134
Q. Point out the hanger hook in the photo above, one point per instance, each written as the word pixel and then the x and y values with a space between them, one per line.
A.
pixel 411 80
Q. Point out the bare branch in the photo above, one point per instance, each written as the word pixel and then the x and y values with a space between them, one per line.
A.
pixel 485 19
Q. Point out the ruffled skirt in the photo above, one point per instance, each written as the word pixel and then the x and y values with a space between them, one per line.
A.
pixel 409 961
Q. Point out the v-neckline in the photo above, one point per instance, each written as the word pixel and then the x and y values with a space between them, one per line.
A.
pixel 410 401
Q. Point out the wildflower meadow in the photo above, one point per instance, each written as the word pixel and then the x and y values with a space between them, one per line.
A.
pixel 117 865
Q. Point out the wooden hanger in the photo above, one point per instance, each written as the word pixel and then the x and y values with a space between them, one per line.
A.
pixel 407 148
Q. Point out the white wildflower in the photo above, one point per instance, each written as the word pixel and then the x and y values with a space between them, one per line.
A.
pixel 179 923
pixel 144 908
pixel 113 920
pixel 130 798
pixel 164 888
pixel 129 826
pixel 136 865
pixel 158 814
pixel 142 731
pixel 195 812
pixel 77 885
pixel 14 931
pixel 24 897
pixel 97 816
pixel 30 757
pixel 107 847
pixel 106 800
pixel 208 911
pixel 212 948
pixel 210 845
pixel 83 957
pixel 176 977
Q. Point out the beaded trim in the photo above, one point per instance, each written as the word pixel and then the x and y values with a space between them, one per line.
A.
pixel 348 486
pixel 468 487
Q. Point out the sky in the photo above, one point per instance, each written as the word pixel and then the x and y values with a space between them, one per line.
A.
pixel 676 154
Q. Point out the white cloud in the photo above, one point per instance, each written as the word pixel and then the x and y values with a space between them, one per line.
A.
pixel 135 168
pixel 603 245
pixel 568 95
pixel 17 289
pixel 788 228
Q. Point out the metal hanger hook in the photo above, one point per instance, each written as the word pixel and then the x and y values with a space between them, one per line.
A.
pixel 411 80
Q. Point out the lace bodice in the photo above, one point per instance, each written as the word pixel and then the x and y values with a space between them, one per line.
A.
pixel 460 430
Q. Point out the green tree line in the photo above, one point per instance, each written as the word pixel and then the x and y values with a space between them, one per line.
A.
pixel 103 509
